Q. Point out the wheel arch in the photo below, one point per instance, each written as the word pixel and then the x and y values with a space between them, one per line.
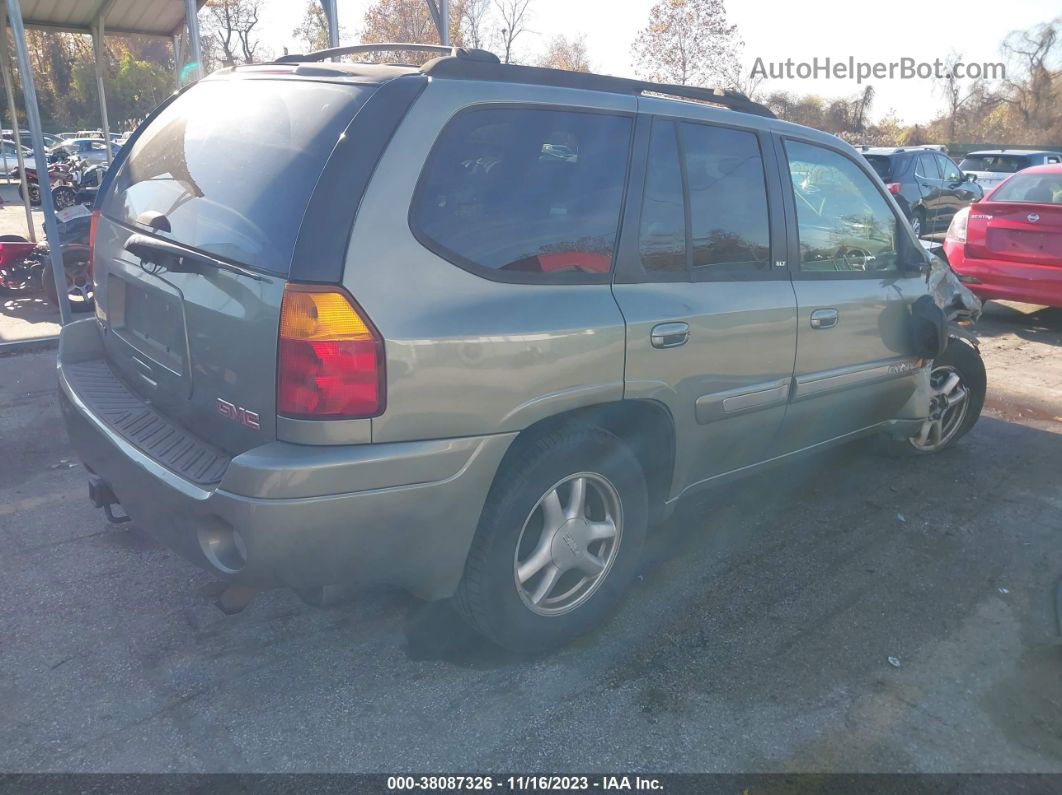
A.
pixel 644 425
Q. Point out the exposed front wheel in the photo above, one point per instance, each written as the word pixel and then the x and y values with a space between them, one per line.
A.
pixel 958 383
pixel 558 542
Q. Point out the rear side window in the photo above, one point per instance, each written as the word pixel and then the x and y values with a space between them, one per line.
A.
pixel 712 180
pixel 525 194
pixel 232 164
pixel 729 225
pixel 927 167
pixel 663 224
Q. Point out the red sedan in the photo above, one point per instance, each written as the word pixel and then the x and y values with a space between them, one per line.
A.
pixel 1009 245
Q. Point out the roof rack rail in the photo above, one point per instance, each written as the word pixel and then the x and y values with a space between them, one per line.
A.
pixel 462 53
pixel 481 69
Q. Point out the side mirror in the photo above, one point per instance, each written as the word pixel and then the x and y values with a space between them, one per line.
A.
pixel 967 177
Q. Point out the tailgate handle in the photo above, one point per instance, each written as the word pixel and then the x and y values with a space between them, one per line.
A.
pixel 178 259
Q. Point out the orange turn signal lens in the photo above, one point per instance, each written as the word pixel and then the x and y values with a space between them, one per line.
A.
pixel 330 362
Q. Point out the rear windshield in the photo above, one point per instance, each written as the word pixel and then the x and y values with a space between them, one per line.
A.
pixel 1032 188
pixel 232 164
pixel 881 164
pixel 1003 164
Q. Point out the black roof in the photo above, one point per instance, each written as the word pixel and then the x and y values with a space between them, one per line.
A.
pixel 470 64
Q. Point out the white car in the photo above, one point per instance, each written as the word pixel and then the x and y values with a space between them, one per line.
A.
pixel 10 157
pixel 993 166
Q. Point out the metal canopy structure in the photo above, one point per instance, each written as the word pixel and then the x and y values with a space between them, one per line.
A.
pixel 172 19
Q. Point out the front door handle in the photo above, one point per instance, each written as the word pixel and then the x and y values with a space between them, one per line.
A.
pixel 669 335
pixel 824 318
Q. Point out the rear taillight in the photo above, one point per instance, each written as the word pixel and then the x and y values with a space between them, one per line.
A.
pixel 330 360
pixel 959 223
pixel 94 221
pixel 893 187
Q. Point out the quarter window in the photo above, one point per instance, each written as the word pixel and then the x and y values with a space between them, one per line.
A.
pixel 844 223
pixel 525 192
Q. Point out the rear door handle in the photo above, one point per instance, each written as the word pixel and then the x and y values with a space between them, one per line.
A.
pixel 824 318
pixel 669 335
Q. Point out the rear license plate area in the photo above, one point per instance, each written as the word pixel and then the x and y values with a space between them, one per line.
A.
pixel 148 320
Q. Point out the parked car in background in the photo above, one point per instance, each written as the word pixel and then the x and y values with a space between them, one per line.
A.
pixel 927 184
pixel 1009 246
pixel 27 139
pixel 92 149
pixel 471 328
pixel 993 166
pixel 9 157
pixel 67 135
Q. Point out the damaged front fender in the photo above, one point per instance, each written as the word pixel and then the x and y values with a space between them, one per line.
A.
pixel 960 306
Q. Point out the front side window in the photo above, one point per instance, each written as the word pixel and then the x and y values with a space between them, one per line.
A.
pixel 843 222
pixel 525 192
pixel 951 171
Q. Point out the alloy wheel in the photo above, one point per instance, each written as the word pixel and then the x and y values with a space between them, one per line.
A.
pixel 568 544
pixel 947 410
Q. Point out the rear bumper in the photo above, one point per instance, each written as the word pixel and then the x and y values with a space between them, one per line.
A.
pixel 1007 281
pixel 299 515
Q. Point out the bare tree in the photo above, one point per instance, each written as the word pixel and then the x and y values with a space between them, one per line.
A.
pixel 514 18
pixel 231 25
pixel 1032 81
pixel 689 42
pixel 471 19
pixel 956 93
pixel 565 53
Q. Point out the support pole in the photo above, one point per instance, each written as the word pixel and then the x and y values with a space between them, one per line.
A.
pixel 191 18
pixel 444 22
pixel 5 65
pixel 177 59
pixel 100 54
pixel 332 18
pixel 33 116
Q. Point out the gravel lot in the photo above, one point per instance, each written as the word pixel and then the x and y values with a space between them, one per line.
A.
pixel 757 639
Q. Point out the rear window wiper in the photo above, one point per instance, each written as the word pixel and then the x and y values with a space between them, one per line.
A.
pixel 178 259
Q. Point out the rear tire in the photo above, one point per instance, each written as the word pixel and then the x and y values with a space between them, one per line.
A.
pixel 79 282
pixel 532 533
pixel 918 223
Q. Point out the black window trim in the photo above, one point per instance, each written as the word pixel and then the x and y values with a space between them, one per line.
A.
pixel 522 277
pixel 631 270
pixel 796 272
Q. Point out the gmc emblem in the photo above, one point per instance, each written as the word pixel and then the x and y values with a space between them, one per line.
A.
pixel 238 414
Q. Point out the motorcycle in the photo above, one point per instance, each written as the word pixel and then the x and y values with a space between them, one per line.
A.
pixel 25 267
pixel 72 181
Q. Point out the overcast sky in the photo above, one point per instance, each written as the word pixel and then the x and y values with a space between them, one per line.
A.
pixel 773 30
